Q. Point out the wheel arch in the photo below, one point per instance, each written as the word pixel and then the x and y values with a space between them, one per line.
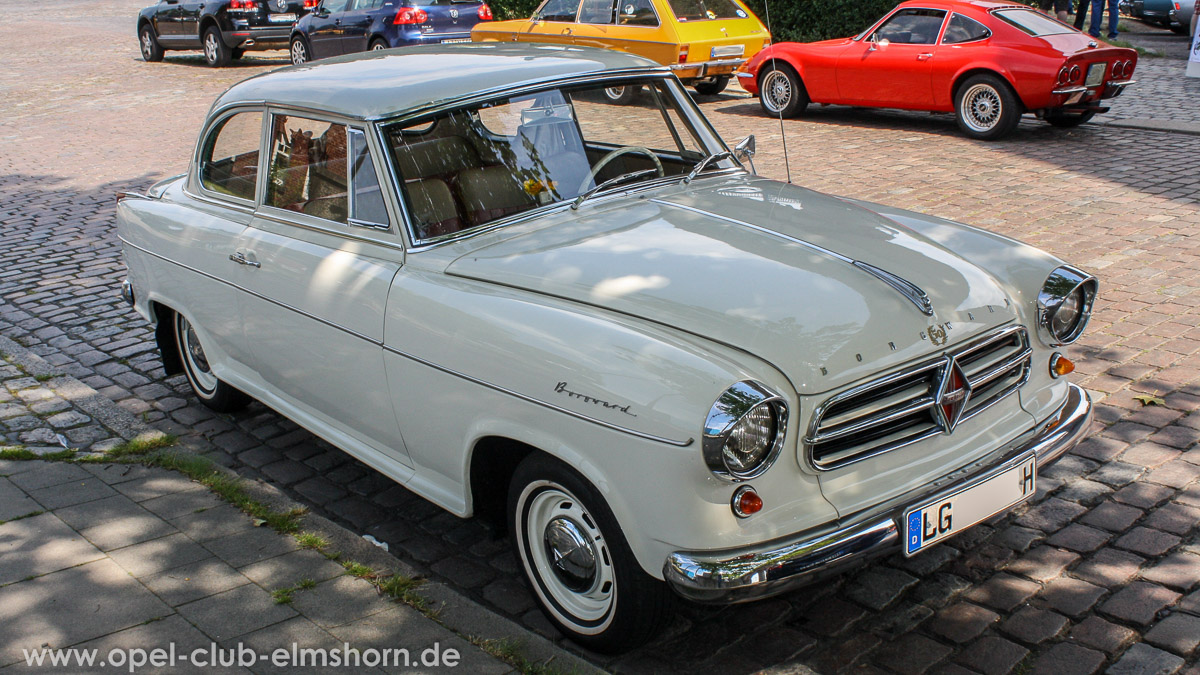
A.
pixel 785 60
pixel 209 21
pixel 164 337
pixel 493 461
pixel 989 69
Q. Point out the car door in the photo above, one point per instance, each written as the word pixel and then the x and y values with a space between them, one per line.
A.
pixel 634 27
pixel 166 20
pixel 963 42
pixel 325 34
pixel 320 259
pixel 356 24
pixel 189 18
pixel 554 22
pixel 892 66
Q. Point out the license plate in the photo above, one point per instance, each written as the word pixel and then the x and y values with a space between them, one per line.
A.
pixel 1095 75
pixel 930 523
pixel 727 51
pixel 282 18
pixel 456 40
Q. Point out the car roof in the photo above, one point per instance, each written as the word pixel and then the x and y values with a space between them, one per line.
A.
pixel 984 5
pixel 373 85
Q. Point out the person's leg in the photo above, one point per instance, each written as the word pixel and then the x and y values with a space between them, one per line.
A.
pixel 1097 13
pixel 1113 17
pixel 1081 8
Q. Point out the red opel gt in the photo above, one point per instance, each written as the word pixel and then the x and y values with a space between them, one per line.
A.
pixel 988 62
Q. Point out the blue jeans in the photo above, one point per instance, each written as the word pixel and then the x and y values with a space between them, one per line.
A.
pixel 1097 10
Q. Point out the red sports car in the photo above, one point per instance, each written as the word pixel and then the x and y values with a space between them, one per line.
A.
pixel 987 62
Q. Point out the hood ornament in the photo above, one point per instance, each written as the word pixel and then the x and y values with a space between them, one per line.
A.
pixel 908 289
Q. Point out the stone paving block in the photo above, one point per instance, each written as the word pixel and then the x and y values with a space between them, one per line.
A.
pixel 1068 659
pixel 306 636
pixel 159 635
pixel 1143 495
pixel 1033 626
pixel 1003 592
pixel 878 587
pixel 158 484
pixel 962 622
pixel 912 654
pixel 1147 542
pixel 48 474
pixel 108 509
pixel 337 601
pixel 1042 563
pixel 993 656
pixel 250 547
pixel 14 502
pixel 115 474
pixel 292 567
pixel 235 612
pixel 404 628
pixel 192 581
pixel 1112 517
pixel 48 610
pixel 1139 602
pixel 40 545
pixel 1176 474
pixel 1071 596
pixel 1180 571
pixel 215 523
pixel 1051 515
pixel 1178 633
pixel 1103 635
pixel 1109 568
pixel 1142 659
pixel 1174 518
pixel 72 493
pixel 157 555
pixel 1080 538
pixel 181 503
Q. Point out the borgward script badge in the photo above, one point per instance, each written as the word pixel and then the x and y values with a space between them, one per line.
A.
pixel 952 396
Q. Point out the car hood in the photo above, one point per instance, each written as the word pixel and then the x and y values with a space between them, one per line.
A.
pixel 763 266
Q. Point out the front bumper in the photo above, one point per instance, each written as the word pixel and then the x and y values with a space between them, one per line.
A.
pixel 740 575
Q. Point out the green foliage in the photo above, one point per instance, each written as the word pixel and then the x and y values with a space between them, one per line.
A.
pixel 514 9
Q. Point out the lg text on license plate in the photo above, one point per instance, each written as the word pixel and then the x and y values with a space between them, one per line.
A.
pixel 932 522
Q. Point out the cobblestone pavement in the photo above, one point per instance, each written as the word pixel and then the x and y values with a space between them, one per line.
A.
pixel 1100 573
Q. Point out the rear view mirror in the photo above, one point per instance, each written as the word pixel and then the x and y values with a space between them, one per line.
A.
pixel 744 152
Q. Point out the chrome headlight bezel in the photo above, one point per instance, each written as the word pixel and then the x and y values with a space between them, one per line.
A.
pixel 731 408
pixel 1062 283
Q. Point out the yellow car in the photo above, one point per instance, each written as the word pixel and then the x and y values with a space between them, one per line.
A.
pixel 703 41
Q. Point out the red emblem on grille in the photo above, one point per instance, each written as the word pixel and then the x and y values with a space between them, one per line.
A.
pixel 953 394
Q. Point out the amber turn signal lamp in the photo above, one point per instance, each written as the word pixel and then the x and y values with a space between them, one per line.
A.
pixel 1060 365
pixel 746 502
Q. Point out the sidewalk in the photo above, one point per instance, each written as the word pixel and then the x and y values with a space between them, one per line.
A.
pixel 105 555
pixel 1163 98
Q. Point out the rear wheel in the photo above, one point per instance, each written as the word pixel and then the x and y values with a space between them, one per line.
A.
pixel 713 86
pixel 299 51
pixel 575 557
pixel 216 52
pixel 378 45
pixel 211 391
pixel 1069 120
pixel 621 95
pixel 780 91
pixel 986 108
pixel 148 43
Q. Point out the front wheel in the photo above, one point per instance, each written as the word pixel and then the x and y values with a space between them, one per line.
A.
pixel 299 51
pixel 216 53
pixel 780 91
pixel 148 42
pixel 986 108
pixel 211 391
pixel 575 557
pixel 1069 120
pixel 713 86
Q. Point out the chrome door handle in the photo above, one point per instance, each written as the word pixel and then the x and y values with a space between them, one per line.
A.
pixel 240 258
pixel 924 57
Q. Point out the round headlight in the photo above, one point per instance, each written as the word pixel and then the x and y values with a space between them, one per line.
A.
pixel 744 431
pixel 1065 305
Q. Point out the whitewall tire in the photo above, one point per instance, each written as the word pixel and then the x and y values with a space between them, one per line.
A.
pixel 211 391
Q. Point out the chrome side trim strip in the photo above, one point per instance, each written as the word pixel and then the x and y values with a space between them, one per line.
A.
pixel 909 290
pixel 448 371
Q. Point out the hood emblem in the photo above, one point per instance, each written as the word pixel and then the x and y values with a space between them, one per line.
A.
pixel 453 13
pixel 953 393
pixel 281 5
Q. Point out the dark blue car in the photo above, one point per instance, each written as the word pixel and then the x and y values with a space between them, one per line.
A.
pixel 348 26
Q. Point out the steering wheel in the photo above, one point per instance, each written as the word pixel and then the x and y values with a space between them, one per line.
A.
pixel 617 153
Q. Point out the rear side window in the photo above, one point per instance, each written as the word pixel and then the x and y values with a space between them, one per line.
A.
pixel 961 29
pixel 558 10
pixel 229 163
pixel 1033 23
pixel 308 168
pixel 636 13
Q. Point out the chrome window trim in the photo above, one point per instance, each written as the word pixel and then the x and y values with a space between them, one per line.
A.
pixel 352 188
pixel 417 359
pixel 285 217
pixel 948 358
pixel 726 412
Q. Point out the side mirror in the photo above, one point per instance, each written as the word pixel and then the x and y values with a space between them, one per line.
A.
pixel 877 42
pixel 744 152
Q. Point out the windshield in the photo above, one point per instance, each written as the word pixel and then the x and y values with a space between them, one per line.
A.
pixel 1033 23
pixel 704 10
pixel 465 168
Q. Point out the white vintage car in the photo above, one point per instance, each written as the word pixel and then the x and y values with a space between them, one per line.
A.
pixel 462 266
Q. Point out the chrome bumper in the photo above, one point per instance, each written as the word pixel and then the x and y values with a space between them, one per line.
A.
pixel 702 67
pixel 740 575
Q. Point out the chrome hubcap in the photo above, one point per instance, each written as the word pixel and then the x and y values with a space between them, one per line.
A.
pixel 571 556
pixel 981 107
pixel 776 91
pixel 298 54
pixel 614 93
pixel 210 47
pixel 196 351
pixel 147 45
pixel 198 369
pixel 378 47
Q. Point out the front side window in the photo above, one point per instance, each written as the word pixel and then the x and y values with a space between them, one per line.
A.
pixel 472 166
pixel 912 27
pixel 335 5
pixel 706 10
pixel 366 197
pixel 308 167
pixel 557 10
pixel 962 29
pixel 596 11
pixel 229 162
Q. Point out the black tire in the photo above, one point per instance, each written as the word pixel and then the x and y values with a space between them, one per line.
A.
pixel 216 53
pixel 781 91
pixel 377 44
pixel 621 95
pixel 716 86
pixel 986 107
pixel 1069 120
pixel 299 51
pixel 152 51
pixel 237 54
pixel 211 391
pixel 1180 29
pixel 598 596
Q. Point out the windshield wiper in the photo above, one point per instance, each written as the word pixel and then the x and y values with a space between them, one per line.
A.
pixel 703 164
pixel 611 181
